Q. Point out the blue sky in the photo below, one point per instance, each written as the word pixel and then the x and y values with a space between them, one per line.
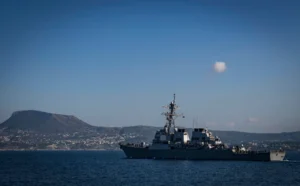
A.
pixel 115 63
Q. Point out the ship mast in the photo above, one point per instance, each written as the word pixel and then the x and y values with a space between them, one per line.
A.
pixel 171 115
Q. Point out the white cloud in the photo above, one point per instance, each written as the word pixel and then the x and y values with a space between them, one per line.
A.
pixel 220 66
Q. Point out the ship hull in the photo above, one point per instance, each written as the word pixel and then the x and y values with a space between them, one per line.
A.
pixel 200 154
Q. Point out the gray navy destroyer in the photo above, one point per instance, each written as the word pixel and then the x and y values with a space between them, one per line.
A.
pixel 174 143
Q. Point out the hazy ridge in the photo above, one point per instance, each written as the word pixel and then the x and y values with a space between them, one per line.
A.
pixel 49 123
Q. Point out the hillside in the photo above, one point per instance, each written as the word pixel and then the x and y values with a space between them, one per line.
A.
pixel 40 130
pixel 226 136
pixel 44 122
pixel 234 136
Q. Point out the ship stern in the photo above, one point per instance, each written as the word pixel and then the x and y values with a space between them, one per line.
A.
pixel 277 155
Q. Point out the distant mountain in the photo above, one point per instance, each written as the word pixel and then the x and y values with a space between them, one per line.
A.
pixel 234 137
pixel 44 122
pixel 237 137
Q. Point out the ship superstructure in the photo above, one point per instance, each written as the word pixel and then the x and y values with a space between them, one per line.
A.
pixel 175 143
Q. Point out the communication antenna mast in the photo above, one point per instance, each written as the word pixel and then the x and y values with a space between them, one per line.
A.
pixel 171 115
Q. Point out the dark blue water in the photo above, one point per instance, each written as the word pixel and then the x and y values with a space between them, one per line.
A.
pixel 110 168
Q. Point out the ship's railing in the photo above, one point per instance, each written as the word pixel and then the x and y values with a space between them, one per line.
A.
pixel 197 146
pixel 251 152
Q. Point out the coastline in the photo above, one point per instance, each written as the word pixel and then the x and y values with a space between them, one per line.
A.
pixel 3 150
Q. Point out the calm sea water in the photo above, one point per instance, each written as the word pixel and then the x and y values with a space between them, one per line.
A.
pixel 111 168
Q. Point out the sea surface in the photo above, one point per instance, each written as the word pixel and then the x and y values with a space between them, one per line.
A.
pixel 66 168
